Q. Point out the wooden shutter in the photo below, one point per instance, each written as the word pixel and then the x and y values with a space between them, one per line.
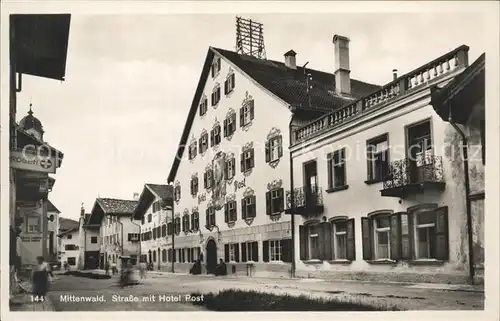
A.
pixel 226 252
pixel 268 203
pixel 232 81
pixel 351 240
pixel 233 167
pixel 207 217
pixel 200 107
pixel 212 137
pixel 187 223
pixel 251 110
pixel 226 172
pixel 366 231
pixel 265 251
pixel 233 214
pixel 205 180
pixel 281 196
pixel 225 128
pixel 233 116
pixel 243 209
pixel 326 228
pixel 243 252
pixel 254 207
pixel 226 213
pixel 236 252
pixel 242 162
pixel 442 251
pixel 242 117
pixel 286 250
pixel 213 98
pixel 303 242
pixel 255 251
pixel 395 236
pixel 329 164
pixel 225 87
pixel 268 151
pixel 252 158
pixel 199 144
pixel 280 146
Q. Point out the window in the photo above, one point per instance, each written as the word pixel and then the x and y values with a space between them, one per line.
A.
pixel 93 239
pixel 328 240
pixel 177 226
pixel 194 185
pixel 164 230
pixel 154 256
pixel 177 193
pixel 203 106
pixel 274 201
pixel 164 255
pixel 72 261
pixel 250 251
pixel 274 149
pixel 207 179
pixel 133 237
pixel 215 136
pixel 420 233
pixel 230 168
pixel 336 169
pixel 275 250
pixel 154 233
pixel 195 221
pixel 229 84
pixel 185 223
pixel 340 240
pixel 247 160
pixel 169 228
pixel 203 142
pixel 69 237
pixel 420 151
pixel 156 207
pixel 150 218
pixel 216 95
pixel 169 254
pixel 192 150
pixel 230 212
pixel 313 242
pixel 210 217
pixel 215 67
pixel 70 247
pixel 247 113
pixel 33 224
pixel 230 125
pixel 378 158
pixel 248 207
pixel 231 252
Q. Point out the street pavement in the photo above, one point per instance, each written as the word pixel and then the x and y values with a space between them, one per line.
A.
pixel 166 292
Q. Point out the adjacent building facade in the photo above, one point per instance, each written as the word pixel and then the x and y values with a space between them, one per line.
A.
pixel 232 167
pixel 70 248
pixel 378 190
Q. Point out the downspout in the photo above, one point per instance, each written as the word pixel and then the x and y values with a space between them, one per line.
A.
pixel 467 193
pixel 140 245
pixel 292 198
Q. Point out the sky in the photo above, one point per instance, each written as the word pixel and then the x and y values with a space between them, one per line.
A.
pixel 130 81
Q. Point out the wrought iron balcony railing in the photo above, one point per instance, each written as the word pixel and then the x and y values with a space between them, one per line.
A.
pixel 304 201
pixel 407 175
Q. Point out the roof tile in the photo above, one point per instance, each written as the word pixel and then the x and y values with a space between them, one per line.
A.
pixel 117 206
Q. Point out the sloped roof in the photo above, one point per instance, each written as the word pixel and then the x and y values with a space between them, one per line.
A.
pixel 71 230
pixel 117 206
pixel 287 84
pixel 66 224
pixel 149 193
pixel 165 192
pixel 52 208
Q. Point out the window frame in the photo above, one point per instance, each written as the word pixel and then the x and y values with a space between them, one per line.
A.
pixel 336 233
pixel 275 256
pixel 372 158
pixel 334 163
pixel 38 228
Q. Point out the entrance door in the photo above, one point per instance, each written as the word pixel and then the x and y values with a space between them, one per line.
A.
pixel 419 152
pixel 211 256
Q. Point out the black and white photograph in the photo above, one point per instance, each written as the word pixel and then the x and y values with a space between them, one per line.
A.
pixel 282 156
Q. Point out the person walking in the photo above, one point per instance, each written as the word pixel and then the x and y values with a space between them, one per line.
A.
pixel 40 277
pixel 106 267
pixel 142 270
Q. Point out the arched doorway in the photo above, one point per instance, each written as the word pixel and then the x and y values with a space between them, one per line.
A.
pixel 211 256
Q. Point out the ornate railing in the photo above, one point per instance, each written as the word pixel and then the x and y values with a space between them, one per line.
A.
pixel 418 78
pixel 302 198
pixel 406 172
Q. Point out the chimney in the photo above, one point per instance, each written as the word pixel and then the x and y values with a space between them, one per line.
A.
pixel 394 74
pixel 290 59
pixel 82 211
pixel 342 71
pixel 136 197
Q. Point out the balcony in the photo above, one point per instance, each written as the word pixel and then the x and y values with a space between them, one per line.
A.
pixel 406 177
pixel 306 203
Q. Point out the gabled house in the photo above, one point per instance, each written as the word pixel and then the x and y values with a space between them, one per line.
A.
pixel 232 165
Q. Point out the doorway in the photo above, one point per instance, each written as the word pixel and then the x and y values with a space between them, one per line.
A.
pixel 311 182
pixel 211 256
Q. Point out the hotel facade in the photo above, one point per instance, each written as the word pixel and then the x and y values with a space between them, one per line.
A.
pixel 379 188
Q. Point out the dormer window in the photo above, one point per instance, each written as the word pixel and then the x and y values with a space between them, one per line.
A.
pixel 203 105
pixel 215 136
pixel 229 84
pixel 215 67
pixel 216 95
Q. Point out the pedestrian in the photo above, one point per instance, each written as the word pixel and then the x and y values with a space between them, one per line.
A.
pixel 106 267
pixel 41 277
pixel 142 270
pixel 221 268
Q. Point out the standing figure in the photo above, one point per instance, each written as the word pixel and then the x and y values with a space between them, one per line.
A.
pixel 142 270
pixel 106 267
pixel 40 278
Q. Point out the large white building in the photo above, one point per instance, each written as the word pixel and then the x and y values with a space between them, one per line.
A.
pixel 232 165
pixel 70 247
pixel 379 185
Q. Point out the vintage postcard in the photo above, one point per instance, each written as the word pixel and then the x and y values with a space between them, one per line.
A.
pixel 190 156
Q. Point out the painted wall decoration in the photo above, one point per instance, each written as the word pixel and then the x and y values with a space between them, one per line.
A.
pixel 202 198
pixel 240 184
pixel 277 183
pixel 219 184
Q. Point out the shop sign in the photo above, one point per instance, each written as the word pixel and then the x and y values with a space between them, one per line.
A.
pixel 27 161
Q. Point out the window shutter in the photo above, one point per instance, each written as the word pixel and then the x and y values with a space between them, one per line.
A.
pixel 327 234
pixel 212 138
pixel 175 256
pixel 281 196
pixel 280 146
pixel 442 252
pixel 254 206
pixel 242 117
pixel 265 251
pixel 395 236
pixel 200 107
pixel 243 209
pixel 233 116
pixel 251 110
pixel 232 81
pixel 233 167
pixel 234 215
pixel 243 252
pixel 213 98
pixel 236 252
pixel 212 69
pixel 268 203
pixel 187 223
pixel 366 231
pixel 226 170
pixel 226 213
pixel 242 162
pixel 226 91
pixel 252 158
pixel 329 164
pixel 286 250
pixel 207 217
pixel 369 161
pixel 218 64
pixel 226 252
pixel 351 240
pixel 255 251
pixel 225 128
pixel 268 151
pixel 303 242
